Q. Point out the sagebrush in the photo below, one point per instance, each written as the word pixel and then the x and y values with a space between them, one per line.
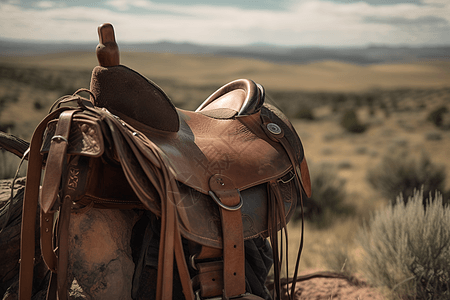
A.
pixel 351 123
pixel 407 248
pixel 401 173
pixel 328 199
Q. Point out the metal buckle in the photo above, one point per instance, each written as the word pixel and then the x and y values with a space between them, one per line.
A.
pixel 226 207
pixel 192 262
pixel 59 138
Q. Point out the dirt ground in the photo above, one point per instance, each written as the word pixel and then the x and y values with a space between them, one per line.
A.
pixel 336 289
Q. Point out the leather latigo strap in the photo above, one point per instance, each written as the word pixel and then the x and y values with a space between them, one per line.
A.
pixel 227 196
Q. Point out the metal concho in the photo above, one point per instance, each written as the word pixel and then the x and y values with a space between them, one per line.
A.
pixel 273 128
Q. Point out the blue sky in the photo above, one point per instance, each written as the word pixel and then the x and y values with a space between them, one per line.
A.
pixel 327 23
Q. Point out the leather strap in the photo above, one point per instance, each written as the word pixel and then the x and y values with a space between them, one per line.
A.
pixel 50 258
pixel 276 133
pixel 209 280
pixel 56 160
pixel 170 244
pixel 52 184
pixel 170 238
pixel 30 204
pixel 63 247
pixel 224 189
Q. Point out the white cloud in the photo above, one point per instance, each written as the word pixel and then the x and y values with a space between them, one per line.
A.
pixel 310 22
pixel 45 4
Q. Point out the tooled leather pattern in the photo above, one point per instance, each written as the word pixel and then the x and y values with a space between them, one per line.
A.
pixel 85 138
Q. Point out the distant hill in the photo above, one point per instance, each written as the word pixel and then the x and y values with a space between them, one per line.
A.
pixel 277 54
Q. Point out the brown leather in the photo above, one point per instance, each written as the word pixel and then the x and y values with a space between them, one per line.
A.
pixel 47 246
pixel 194 170
pixel 57 159
pixel 123 90
pixel 30 204
pixel 224 191
pixel 107 50
pixel 209 281
pixel 202 147
pixel 85 137
pixel 243 97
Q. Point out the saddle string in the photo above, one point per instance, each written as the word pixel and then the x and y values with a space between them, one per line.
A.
pixel 297 263
pixel 277 216
pixel 283 229
pixel 170 238
pixel 300 186
pixel 170 242
pixel 281 138
pixel 272 222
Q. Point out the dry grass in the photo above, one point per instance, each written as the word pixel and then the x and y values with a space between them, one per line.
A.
pixel 404 93
pixel 201 70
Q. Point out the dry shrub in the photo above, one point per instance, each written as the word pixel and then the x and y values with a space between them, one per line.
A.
pixel 399 173
pixel 328 200
pixel 351 123
pixel 305 112
pixel 407 248
pixel 437 116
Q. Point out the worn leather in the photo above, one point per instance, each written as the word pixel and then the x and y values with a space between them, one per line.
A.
pixel 134 149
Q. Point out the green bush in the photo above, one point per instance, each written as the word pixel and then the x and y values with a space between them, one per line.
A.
pixel 328 198
pixel 398 173
pixel 407 248
pixel 351 122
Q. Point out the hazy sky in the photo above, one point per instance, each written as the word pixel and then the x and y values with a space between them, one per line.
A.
pixel 233 22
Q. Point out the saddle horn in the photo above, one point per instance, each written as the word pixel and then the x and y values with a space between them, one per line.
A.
pixel 107 49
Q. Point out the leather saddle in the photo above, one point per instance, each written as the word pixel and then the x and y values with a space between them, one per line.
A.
pixel 232 170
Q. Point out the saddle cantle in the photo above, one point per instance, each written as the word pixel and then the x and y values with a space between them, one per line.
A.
pixel 232 170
